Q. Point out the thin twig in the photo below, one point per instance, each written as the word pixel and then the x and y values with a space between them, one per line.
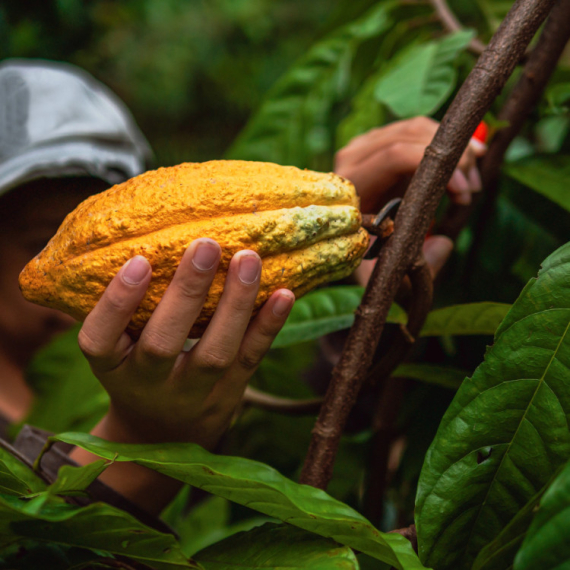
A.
pixel 280 405
pixel 516 110
pixel 452 24
pixel 411 225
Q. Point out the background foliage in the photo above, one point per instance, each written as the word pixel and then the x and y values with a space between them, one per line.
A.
pixel 297 80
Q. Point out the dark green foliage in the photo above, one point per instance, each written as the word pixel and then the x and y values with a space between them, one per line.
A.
pixel 273 546
pixel 506 431
pixel 313 75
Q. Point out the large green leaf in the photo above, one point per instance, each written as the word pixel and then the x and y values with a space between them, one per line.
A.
pixel 506 431
pixel 97 526
pixel 500 553
pixel 467 319
pixel 422 77
pixel 292 124
pixel 546 545
pixel 67 394
pixel 548 175
pixel 279 547
pixel 325 311
pixel 261 488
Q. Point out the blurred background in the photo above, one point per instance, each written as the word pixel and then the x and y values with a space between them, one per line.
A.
pixel 190 71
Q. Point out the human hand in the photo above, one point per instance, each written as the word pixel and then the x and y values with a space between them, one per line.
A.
pixel 159 393
pixel 380 163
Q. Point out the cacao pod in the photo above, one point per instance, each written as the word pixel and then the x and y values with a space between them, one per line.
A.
pixel 304 225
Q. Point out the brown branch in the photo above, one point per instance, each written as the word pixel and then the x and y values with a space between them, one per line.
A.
pixel 420 303
pixel 386 413
pixel 411 225
pixel 516 110
pixel 270 403
pixel 452 24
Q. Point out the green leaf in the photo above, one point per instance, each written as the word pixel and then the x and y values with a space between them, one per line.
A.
pixel 261 488
pixel 98 526
pixel 66 393
pixel 17 478
pixel 546 546
pixel 279 547
pixel 559 95
pixel 366 113
pixel 11 484
pixel 506 431
pixel 467 319
pixel 443 376
pixel 73 480
pixel 292 124
pixel 324 311
pixel 422 77
pixel 500 553
pixel 548 175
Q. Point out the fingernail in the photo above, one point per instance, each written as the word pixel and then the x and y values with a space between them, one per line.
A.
pixel 206 255
pixel 283 304
pixel 475 180
pixel 458 182
pixel 249 267
pixel 135 270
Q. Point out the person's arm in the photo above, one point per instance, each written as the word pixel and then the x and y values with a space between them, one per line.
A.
pixel 158 392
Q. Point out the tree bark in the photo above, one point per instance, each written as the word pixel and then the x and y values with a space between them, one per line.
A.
pixel 412 222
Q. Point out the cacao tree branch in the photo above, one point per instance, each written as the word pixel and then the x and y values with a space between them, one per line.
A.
pixel 411 225
pixel 516 110
pixel 418 309
pixel 452 24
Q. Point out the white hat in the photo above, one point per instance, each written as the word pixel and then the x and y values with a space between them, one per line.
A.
pixel 57 120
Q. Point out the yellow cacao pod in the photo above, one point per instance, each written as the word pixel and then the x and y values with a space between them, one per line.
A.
pixel 304 225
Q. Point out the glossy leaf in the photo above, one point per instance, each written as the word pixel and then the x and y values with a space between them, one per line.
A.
pixel 443 376
pixel 98 526
pixel 546 543
pixel 506 431
pixel 17 478
pixel 325 311
pixel 500 553
pixel 261 488
pixel 467 319
pixel 422 78
pixel 292 124
pixel 279 547
pixel 548 175
pixel 72 480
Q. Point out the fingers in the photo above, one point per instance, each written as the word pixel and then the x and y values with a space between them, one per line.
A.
pixel 436 250
pixel 257 341
pixel 164 335
pixel 378 161
pixel 102 338
pixel 219 346
pixel 416 130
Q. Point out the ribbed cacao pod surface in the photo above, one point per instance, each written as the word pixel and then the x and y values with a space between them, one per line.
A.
pixel 305 225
